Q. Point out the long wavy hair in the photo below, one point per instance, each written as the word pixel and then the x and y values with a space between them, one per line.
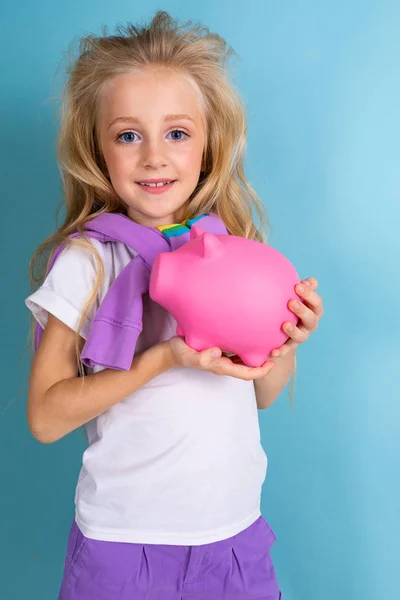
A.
pixel 202 57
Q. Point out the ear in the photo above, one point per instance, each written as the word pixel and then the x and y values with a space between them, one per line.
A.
pixel 211 246
pixel 195 232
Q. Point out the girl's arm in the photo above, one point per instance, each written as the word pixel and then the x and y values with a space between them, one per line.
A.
pixel 269 387
pixel 59 401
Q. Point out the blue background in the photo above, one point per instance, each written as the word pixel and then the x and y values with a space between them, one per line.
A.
pixel 321 85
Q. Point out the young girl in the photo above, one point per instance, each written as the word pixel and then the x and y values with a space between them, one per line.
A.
pixel 168 498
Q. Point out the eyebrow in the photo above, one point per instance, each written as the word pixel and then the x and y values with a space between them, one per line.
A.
pixel 136 120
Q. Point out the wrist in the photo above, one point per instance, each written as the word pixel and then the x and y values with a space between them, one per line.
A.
pixel 168 358
pixel 157 359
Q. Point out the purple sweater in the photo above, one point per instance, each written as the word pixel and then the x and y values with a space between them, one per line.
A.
pixel 118 323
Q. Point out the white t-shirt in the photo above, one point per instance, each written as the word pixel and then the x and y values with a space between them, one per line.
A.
pixel 180 460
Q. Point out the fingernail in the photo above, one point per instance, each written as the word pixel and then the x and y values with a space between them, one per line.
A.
pixel 300 289
pixel 215 353
pixel 307 283
pixel 290 328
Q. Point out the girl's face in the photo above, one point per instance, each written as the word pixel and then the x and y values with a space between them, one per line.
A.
pixel 151 126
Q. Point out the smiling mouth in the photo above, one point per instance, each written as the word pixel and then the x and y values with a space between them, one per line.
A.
pixel 153 185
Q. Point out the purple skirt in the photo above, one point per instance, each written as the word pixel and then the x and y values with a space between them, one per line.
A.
pixel 238 568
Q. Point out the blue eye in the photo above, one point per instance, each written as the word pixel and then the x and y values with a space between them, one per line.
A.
pixel 123 140
pixel 180 131
pixel 124 134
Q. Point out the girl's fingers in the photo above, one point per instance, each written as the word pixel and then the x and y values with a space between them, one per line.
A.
pixel 225 366
pixel 310 282
pixel 287 347
pixel 310 297
pixel 309 311
pixel 308 318
pixel 298 333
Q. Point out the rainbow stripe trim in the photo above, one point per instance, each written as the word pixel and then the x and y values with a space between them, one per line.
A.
pixel 179 228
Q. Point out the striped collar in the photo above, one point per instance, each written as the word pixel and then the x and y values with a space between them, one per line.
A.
pixel 176 229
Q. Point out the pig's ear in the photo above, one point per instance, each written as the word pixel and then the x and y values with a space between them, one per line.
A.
pixel 212 246
pixel 195 232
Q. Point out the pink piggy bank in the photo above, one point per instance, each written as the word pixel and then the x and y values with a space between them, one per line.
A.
pixel 226 291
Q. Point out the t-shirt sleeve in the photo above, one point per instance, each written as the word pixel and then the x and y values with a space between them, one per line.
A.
pixel 67 288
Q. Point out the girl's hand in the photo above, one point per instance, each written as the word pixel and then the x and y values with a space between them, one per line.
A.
pixel 309 311
pixel 181 355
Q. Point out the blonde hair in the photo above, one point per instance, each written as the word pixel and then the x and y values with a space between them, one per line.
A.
pixel 222 188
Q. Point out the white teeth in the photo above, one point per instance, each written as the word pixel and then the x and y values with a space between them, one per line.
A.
pixel 156 184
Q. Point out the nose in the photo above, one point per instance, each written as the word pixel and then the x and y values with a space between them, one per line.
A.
pixel 153 154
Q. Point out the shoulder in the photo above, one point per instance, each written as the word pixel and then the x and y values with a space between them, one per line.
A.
pixel 72 280
pixel 75 278
pixel 78 253
pixel 82 257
